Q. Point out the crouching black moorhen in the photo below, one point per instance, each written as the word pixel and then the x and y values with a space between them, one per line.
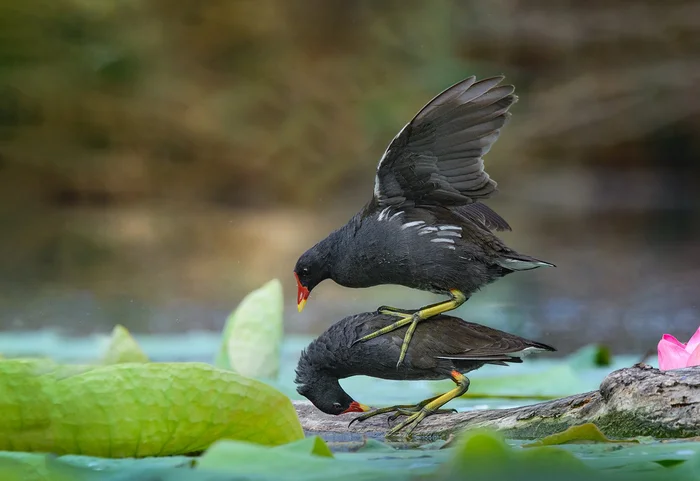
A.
pixel 425 227
pixel 444 348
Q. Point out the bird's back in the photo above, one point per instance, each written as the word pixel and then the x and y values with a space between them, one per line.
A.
pixel 428 248
pixel 439 345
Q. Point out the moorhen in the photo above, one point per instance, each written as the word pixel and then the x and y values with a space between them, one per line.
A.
pixel 425 227
pixel 444 348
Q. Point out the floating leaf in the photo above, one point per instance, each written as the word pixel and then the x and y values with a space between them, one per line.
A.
pixel 291 462
pixel 312 445
pixel 588 432
pixel 136 409
pixel 123 348
pixel 12 469
pixel 483 455
pixel 374 446
pixel 252 336
pixel 38 467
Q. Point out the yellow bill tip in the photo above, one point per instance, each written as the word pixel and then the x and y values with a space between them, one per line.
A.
pixel 301 304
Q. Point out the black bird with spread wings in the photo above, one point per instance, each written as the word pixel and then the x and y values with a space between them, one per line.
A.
pixel 425 226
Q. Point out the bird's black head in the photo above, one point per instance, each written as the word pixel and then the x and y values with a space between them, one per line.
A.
pixel 312 268
pixel 323 389
pixel 330 398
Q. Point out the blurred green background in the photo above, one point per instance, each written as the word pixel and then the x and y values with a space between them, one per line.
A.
pixel 159 159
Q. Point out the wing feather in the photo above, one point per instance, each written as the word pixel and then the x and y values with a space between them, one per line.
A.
pixel 437 159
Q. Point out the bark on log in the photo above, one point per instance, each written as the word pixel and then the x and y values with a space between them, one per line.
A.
pixel 635 401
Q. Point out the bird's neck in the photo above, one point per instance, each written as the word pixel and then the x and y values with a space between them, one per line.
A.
pixel 329 251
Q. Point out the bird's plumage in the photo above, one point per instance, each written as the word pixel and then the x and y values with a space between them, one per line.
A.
pixel 439 346
pixel 437 158
pixel 425 227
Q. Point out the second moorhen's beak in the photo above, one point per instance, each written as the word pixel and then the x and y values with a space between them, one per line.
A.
pixel 302 294
pixel 356 407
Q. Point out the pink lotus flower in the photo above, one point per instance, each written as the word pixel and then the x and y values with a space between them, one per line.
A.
pixel 673 354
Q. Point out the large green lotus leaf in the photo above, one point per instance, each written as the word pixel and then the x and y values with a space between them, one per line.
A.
pixel 30 469
pixel 136 409
pixel 252 337
pixel 123 348
pixel 39 467
pixel 298 461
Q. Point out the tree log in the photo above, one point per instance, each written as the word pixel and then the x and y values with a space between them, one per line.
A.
pixel 635 401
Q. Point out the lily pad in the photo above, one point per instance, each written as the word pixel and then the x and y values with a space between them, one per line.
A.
pixel 312 445
pixel 583 433
pixel 252 336
pixel 484 455
pixel 136 409
pixel 285 462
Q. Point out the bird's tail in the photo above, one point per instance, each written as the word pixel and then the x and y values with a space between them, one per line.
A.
pixel 519 262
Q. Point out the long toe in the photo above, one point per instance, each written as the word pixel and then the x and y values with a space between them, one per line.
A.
pixel 412 421
pixel 402 412
pixel 388 310
pixel 408 408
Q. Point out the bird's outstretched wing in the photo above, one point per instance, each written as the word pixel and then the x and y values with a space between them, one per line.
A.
pixel 437 158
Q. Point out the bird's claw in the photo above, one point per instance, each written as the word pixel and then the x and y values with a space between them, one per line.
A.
pixel 412 421
pixel 416 413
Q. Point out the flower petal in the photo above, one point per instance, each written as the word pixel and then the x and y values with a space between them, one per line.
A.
pixel 671 355
pixel 694 342
pixel 694 358
pixel 670 338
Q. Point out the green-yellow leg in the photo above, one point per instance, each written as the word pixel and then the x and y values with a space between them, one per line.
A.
pixel 431 407
pixel 458 298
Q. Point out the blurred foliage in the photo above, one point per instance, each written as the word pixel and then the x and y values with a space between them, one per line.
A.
pixel 262 102
pixel 149 144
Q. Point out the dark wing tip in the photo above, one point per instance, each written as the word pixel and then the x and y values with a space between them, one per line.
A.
pixel 544 347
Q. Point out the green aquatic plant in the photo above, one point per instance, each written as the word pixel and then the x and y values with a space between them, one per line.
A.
pixel 136 409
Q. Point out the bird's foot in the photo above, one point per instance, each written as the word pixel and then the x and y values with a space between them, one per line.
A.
pixel 415 412
pixel 411 320
pixel 390 409
pixel 405 319
pixel 413 420
pixel 395 311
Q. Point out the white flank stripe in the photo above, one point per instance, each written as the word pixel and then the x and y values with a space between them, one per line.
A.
pixel 442 239
pixel 383 214
pixel 412 224
pixel 398 213
pixel 449 227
